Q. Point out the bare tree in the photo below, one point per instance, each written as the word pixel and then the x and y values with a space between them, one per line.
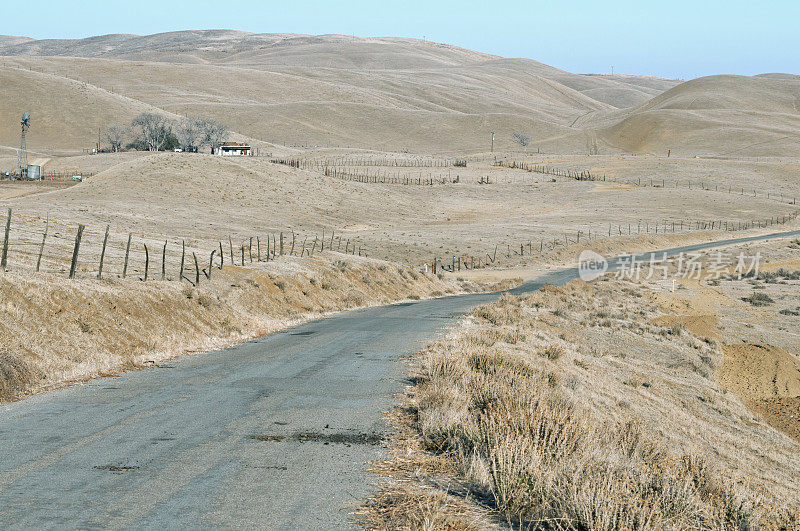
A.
pixel 189 133
pixel 153 129
pixel 213 133
pixel 115 134
pixel 522 139
pixel 594 149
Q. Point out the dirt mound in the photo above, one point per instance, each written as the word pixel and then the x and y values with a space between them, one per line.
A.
pixel 703 326
pixel 757 372
pixel 767 379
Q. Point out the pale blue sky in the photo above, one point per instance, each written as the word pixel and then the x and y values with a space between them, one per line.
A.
pixel 681 38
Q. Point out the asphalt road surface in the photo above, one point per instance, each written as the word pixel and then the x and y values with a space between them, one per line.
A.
pixel 274 433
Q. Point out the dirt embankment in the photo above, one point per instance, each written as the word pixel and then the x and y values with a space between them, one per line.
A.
pixel 54 331
pixel 767 379
pixel 756 335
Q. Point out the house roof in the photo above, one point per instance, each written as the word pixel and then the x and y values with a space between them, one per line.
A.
pixel 38 161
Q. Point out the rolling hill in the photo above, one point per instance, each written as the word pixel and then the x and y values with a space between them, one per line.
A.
pixel 391 94
pixel 713 116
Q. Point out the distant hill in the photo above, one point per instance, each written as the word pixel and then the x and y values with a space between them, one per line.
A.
pixel 10 40
pixel 381 93
pixel 717 115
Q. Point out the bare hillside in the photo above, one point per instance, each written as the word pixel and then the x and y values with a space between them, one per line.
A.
pixel 67 114
pixel 717 115
pixel 391 94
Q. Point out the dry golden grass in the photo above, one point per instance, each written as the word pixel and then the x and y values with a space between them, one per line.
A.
pixel 388 94
pixel 567 409
pixel 55 331
pixel 204 200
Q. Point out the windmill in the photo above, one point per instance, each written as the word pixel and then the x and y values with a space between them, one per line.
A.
pixel 22 158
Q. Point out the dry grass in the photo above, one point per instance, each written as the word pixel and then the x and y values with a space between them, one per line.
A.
pixel 205 200
pixel 566 409
pixel 388 94
pixel 54 331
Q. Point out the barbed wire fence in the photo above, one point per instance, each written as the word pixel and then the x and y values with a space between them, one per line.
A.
pixel 32 245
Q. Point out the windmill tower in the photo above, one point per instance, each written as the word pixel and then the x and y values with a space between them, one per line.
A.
pixel 22 157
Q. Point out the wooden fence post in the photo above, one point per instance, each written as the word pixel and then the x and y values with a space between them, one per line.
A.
pixel 41 248
pixel 230 243
pixel 242 255
pixel 146 262
pixel 250 249
pixel 282 243
pixel 292 251
pixel 183 258
pixel 127 253
pixel 211 264
pixel 221 256
pixel 164 261
pixel 197 269
pixel 4 258
pixel 74 263
pixel 102 255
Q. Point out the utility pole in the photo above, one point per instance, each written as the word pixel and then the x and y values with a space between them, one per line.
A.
pixel 492 142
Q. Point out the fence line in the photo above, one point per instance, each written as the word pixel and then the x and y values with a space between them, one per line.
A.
pixel 388 177
pixel 78 251
pixel 90 252
pixel 587 175
pixel 313 164
pixel 55 176
pixel 456 261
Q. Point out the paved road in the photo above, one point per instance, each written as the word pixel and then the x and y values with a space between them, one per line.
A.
pixel 274 433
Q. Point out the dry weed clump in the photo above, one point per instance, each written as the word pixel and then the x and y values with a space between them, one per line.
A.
pixel 529 448
pixel 759 299
pixel 15 373
pixel 412 506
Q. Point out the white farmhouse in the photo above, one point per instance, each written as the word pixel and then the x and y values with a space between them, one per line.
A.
pixel 234 149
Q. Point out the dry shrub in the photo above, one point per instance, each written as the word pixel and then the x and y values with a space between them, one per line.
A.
pixel 354 298
pixel 553 351
pixel 523 443
pixel 414 507
pixel 506 311
pixel 15 373
pixel 759 299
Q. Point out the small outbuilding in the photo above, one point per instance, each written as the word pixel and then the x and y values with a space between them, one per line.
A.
pixel 234 149
pixel 36 168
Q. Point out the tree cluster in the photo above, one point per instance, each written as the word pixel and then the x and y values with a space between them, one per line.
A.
pixel 522 139
pixel 156 132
